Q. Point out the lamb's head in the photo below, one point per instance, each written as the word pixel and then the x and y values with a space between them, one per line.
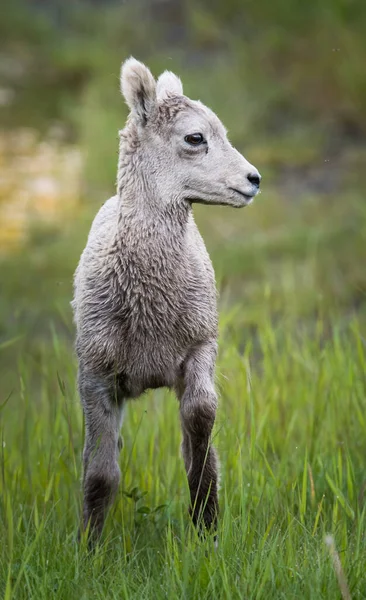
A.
pixel 182 144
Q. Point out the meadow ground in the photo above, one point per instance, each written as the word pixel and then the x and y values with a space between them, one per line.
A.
pixel 291 427
pixel 287 79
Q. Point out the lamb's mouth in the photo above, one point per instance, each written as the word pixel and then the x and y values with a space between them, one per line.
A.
pixel 248 197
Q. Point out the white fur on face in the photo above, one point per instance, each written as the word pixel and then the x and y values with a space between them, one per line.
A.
pixel 212 172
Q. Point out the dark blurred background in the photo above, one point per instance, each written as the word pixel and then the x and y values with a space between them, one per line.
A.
pixel 286 77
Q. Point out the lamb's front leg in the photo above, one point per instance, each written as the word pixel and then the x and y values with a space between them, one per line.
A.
pixel 103 415
pixel 198 402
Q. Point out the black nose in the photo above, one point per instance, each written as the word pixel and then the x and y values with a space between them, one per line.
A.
pixel 254 178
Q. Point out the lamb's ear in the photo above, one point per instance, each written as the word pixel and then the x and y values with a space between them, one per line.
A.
pixel 168 85
pixel 138 87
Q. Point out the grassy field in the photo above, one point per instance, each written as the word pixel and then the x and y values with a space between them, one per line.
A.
pixel 291 426
pixel 290 429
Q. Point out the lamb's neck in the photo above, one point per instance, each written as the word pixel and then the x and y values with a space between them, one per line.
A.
pixel 158 236
pixel 164 222
pixel 146 220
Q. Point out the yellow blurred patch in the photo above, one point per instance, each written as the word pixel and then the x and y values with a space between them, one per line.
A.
pixel 40 182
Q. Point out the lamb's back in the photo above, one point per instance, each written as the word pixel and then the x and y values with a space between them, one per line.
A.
pixel 94 258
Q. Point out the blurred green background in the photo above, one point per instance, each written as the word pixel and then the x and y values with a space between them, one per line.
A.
pixel 287 79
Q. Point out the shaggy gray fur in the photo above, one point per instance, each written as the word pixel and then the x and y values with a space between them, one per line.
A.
pixel 145 296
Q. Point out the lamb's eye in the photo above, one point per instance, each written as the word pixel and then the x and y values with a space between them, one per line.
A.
pixel 194 139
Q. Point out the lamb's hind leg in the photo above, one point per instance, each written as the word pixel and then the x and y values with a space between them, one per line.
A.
pixel 102 413
pixel 198 404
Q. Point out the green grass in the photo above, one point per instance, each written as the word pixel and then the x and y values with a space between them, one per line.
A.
pixel 291 436
pixel 290 428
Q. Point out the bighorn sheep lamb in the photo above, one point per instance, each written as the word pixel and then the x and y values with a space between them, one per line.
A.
pixel 145 296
